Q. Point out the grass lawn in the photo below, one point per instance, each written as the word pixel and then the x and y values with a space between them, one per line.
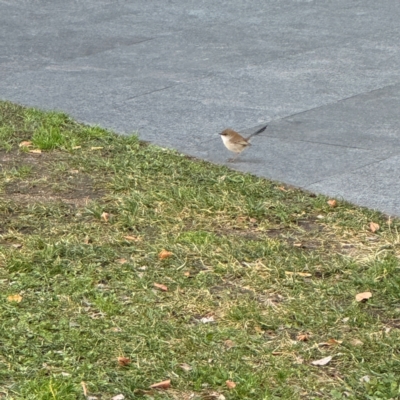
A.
pixel 123 264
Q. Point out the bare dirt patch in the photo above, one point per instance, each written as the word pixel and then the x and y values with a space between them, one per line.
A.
pixel 45 184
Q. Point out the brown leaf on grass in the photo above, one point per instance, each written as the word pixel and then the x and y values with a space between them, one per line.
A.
pixel 17 245
pixel 305 274
pixel 35 151
pixel 332 203
pixel 363 297
pixel 331 342
pixel 123 361
pixel 118 397
pixel 26 143
pixel 229 344
pixel 185 367
pixel 86 240
pixel 133 238
pixel 113 329
pixel 121 261
pixel 322 361
pixel 282 188
pixel 164 254
pixel 187 274
pixel 15 298
pixel 105 216
pixel 374 227
pixel 160 286
pixel 356 342
pixel 303 337
pixel 84 388
pixel 161 385
pixel 334 342
pixel 230 384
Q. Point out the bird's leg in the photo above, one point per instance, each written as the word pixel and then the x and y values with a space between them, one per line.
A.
pixel 234 158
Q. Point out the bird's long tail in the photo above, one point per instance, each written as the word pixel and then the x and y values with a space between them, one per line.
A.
pixel 257 132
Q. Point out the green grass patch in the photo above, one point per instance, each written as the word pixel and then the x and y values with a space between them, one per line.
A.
pixel 255 269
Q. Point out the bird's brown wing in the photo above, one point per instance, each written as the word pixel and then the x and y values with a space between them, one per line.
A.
pixel 241 142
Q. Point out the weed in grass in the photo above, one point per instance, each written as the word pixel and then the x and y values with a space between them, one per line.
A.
pixel 252 265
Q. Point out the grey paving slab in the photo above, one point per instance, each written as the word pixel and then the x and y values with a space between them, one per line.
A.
pixel 366 121
pixel 326 75
pixel 376 185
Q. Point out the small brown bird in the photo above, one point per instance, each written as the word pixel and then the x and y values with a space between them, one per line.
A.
pixel 235 142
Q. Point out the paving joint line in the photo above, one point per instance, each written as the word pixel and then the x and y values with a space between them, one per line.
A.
pixel 352 171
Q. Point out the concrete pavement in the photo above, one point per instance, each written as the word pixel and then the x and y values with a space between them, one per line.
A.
pixel 325 75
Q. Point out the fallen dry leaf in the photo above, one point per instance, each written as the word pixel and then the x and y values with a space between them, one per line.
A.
pixel 365 378
pixel 123 361
pixel 162 385
pixel 164 254
pixel 16 298
pixel 207 320
pixel 84 388
pixel 332 203
pixel 187 274
pixel 185 367
pixel 322 361
pixel 160 286
pixel 229 344
pixel 305 274
pixel 17 245
pixel 277 353
pixel 356 342
pixel 282 188
pixel 363 297
pixel 118 397
pixel 25 143
pixel 374 227
pixel 121 261
pixel 35 151
pixel 230 384
pixel 303 337
pixel 133 238
pixel 105 216
pixel 334 342
pixel 331 342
